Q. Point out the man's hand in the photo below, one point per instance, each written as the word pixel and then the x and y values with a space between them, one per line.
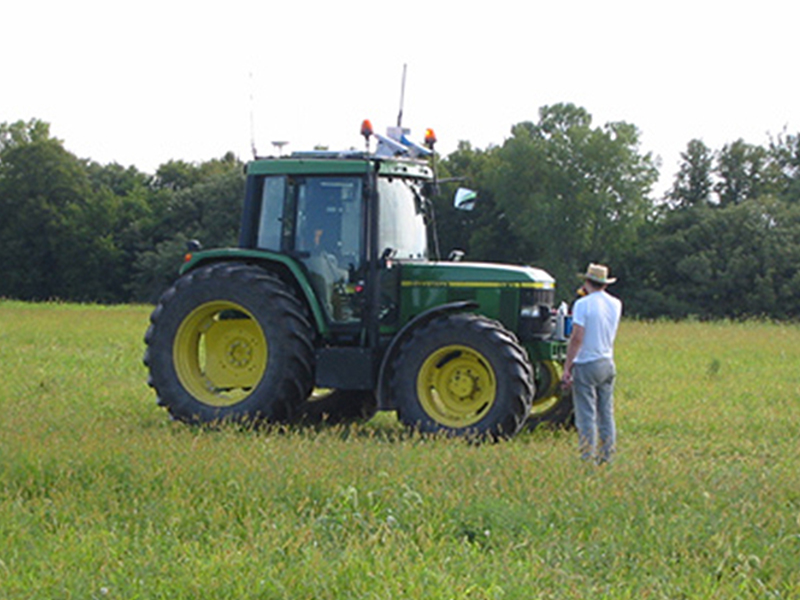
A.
pixel 566 378
pixel 575 342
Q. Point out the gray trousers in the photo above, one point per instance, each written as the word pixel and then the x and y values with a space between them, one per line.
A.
pixel 593 396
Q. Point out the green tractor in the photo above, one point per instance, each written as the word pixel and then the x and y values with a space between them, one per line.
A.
pixel 332 307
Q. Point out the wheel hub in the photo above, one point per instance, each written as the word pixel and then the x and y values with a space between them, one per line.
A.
pixel 232 349
pixel 462 384
pixel 456 386
pixel 240 353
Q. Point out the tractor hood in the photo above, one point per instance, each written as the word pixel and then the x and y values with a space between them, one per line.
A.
pixel 474 275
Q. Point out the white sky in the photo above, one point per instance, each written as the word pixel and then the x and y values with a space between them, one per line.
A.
pixel 140 83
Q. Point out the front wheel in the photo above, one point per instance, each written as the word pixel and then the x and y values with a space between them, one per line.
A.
pixel 552 405
pixel 462 374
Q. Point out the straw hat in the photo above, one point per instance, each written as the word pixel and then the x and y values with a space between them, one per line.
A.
pixel 598 274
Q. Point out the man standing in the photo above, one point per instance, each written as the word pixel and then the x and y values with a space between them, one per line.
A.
pixel 590 368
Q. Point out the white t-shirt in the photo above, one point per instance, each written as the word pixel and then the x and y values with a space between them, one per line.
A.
pixel 599 314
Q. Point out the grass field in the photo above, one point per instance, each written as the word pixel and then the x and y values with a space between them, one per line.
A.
pixel 101 496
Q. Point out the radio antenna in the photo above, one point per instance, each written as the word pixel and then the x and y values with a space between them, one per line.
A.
pixel 252 120
pixel 402 97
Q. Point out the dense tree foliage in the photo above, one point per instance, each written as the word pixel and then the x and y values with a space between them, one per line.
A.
pixel 208 210
pixel 737 261
pixel 558 193
pixel 55 230
pixel 784 153
pixel 724 242
pixel 693 182
pixel 76 230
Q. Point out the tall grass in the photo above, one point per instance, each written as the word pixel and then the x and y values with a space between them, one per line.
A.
pixel 101 496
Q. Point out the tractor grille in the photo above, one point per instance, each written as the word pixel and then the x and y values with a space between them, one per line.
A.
pixel 534 297
pixel 537 318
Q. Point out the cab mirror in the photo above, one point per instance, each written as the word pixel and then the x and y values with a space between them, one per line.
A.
pixel 465 199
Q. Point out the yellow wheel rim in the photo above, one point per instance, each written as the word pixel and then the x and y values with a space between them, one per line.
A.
pixel 547 392
pixel 220 353
pixel 456 386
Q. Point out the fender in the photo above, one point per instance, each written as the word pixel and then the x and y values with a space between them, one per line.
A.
pixel 289 269
pixel 383 397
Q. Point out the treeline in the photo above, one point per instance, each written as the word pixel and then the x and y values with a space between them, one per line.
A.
pixel 558 193
pixel 72 229
pixel 723 243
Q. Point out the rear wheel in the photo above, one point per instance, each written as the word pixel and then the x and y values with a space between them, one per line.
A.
pixel 462 374
pixel 230 342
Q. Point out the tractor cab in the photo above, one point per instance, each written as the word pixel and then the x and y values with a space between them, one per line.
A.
pixel 342 217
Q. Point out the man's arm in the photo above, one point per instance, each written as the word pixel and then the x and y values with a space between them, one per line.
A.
pixel 575 342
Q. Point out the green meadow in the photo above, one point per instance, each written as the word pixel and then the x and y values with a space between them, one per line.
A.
pixel 102 496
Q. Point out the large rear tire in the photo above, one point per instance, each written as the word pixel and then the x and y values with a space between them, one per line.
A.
pixel 463 374
pixel 230 342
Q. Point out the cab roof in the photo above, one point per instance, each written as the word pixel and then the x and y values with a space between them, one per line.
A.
pixel 339 163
